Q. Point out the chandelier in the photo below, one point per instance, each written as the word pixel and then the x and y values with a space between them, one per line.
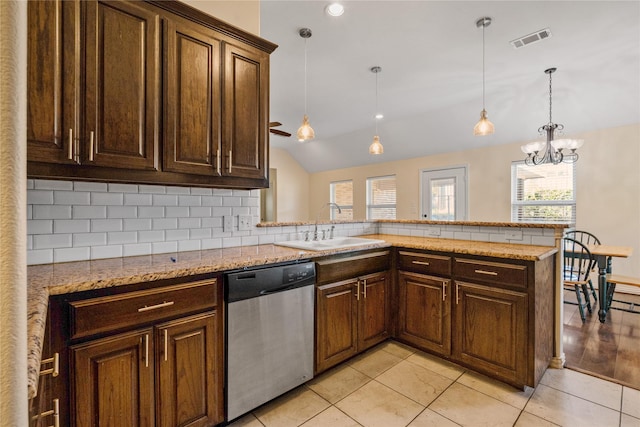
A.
pixel 551 151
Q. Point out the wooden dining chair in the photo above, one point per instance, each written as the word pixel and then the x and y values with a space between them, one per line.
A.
pixel 586 238
pixel 578 263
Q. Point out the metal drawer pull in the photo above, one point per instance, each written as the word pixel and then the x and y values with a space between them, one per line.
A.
pixel 420 262
pixel 55 369
pixel 155 307
pixel 364 284
pixel 55 412
pixel 457 293
pixel 91 146
pixel 444 291
pixel 358 290
pixel 230 160
pixel 146 350
pixel 218 161
pixel 489 273
pixel 166 344
pixel 70 144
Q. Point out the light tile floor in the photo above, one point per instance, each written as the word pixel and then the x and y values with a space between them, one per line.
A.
pixel 393 385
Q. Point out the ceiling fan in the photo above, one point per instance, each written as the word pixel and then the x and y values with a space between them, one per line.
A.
pixel 278 131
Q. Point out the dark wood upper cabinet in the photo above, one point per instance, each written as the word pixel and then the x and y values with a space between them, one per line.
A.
pixel 192 99
pixel 150 92
pixel 246 81
pixel 122 85
pixel 53 81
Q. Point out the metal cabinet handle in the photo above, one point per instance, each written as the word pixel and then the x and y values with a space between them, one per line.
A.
pixel 55 369
pixel 166 344
pixel 70 153
pixel 364 283
pixel 457 293
pixel 155 307
pixel 420 262
pixel 488 273
pixel 358 290
pixel 146 350
pixel 55 412
pixel 230 160
pixel 91 146
pixel 218 161
pixel 444 291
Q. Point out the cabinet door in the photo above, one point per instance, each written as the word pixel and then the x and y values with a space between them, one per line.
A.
pixel 192 101
pixel 424 311
pixel 112 381
pixel 491 331
pixel 373 312
pixel 122 84
pixel 53 80
pixel 336 323
pixel 189 381
pixel 246 112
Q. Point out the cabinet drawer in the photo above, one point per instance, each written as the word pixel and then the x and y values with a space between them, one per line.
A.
pixel 102 314
pixel 424 263
pixel 338 268
pixel 493 273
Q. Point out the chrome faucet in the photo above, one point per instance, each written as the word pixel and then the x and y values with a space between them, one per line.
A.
pixel 315 228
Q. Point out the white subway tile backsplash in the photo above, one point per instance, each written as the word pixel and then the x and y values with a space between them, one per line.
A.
pixel 71 226
pixel 52 241
pixel 49 184
pixel 151 212
pixel 123 188
pixel 71 197
pixel 199 211
pixel 111 251
pixel 164 247
pixel 178 190
pixel 136 249
pixel 40 197
pixel 122 211
pixel 176 235
pixel 152 189
pixel 250 240
pixel 222 192
pixel 30 212
pixel 165 200
pixel 189 245
pixel 211 243
pixel 196 191
pixel 30 185
pixel 111 199
pixel 189 201
pixel 122 237
pixel 89 212
pixel 102 225
pixel 266 239
pixel 136 224
pixel 200 233
pixel 164 223
pixel 90 186
pixel 43 256
pixel 191 223
pixel 232 201
pixel 71 254
pixel 29 242
pixel 89 239
pixel 176 211
pixel 211 201
pixel 151 236
pixel 231 242
pixel 138 199
pixel 51 212
pixel 39 226
pixel 212 222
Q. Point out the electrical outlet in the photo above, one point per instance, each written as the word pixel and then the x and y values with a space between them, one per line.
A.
pixel 433 231
pixel 513 235
pixel 244 222
pixel 227 223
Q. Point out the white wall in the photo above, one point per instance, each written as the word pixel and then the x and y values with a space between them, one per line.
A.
pixel 244 14
pixel 608 186
pixel 292 187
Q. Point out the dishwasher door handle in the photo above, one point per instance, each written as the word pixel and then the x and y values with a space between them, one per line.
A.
pixel 275 290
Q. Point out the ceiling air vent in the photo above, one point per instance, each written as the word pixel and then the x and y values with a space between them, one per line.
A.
pixel 531 38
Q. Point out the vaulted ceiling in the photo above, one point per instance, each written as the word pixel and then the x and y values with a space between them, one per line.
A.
pixel 430 87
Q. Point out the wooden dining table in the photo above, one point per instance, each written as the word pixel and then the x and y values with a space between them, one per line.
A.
pixel 603 255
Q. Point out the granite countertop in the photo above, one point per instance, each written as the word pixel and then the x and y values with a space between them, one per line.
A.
pixel 63 278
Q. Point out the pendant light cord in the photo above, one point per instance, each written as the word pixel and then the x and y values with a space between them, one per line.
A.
pixel 305 76
pixel 550 121
pixel 484 25
pixel 376 112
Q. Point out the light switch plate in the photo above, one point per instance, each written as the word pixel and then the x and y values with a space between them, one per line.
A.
pixel 244 222
pixel 227 223
pixel 513 235
pixel 433 231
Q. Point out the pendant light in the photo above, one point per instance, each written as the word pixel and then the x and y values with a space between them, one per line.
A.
pixel 305 132
pixel 376 147
pixel 484 126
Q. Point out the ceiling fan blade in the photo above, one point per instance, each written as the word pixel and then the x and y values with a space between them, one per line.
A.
pixel 274 124
pixel 280 132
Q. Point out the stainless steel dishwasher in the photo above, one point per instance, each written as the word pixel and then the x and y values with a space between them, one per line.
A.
pixel 269 332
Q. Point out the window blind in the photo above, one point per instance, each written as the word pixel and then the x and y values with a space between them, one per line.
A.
pixel 381 197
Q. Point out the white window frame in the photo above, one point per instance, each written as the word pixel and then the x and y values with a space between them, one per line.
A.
pixel 517 204
pixel 332 198
pixel 370 206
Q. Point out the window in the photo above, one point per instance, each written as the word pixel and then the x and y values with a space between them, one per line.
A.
pixel 381 197
pixel 342 195
pixel 544 193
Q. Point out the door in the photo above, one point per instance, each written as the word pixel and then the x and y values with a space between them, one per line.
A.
pixel 246 112
pixel 373 312
pixel 192 101
pixel 337 322
pixel 112 381
pixel 122 85
pixel 491 330
pixel 424 311
pixel 444 194
pixel 189 379
pixel 53 81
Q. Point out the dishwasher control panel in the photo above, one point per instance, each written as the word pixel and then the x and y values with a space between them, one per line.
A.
pixel 297 273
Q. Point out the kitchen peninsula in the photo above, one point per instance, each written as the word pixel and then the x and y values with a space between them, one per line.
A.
pixel 524 273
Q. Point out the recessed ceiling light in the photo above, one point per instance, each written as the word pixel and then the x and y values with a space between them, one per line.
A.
pixel 379 116
pixel 335 9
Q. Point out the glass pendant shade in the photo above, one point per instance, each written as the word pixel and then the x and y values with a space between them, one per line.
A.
pixel 305 132
pixel 376 147
pixel 484 126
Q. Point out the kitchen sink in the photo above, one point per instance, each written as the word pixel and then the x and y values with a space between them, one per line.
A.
pixel 329 244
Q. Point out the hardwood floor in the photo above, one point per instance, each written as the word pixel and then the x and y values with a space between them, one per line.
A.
pixel 609 350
